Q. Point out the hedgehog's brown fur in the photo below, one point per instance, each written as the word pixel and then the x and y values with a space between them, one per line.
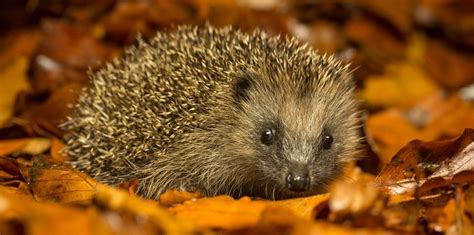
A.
pixel 186 111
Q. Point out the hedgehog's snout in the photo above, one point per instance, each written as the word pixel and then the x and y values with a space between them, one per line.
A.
pixel 297 179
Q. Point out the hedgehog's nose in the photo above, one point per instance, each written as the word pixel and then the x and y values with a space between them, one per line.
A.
pixel 298 180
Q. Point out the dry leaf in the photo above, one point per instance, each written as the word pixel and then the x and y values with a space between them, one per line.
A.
pixel 224 212
pixel 173 198
pixel 453 18
pixel 398 13
pixel 53 111
pixel 420 161
pixel 122 202
pixel 377 45
pixel 304 207
pixel 357 194
pixel 18 44
pixel 449 67
pixel 16 188
pixel 324 36
pixel 52 182
pixel 403 84
pixel 356 201
pixel 59 183
pixel 13 80
pixel 18 213
pixel 450 219
pixel 57 153
pixel 433 118
pixel 30 146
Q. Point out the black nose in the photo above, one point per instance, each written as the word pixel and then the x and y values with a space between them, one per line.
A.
pixel 297 181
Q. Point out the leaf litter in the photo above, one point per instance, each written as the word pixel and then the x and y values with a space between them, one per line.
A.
pixel 412 64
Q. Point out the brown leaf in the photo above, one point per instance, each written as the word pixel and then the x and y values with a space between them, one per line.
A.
pixel 304 207
pixel 8 169
pixel 127 19
pixel 402 84
pixel 324 36
pixel 354 195
pixel 378 46
pixel 16 188
pixel 65 53
pixel 57 154
pixel 71 44
pixel 454 18
pixel 436 117
pixel 450 219
pixel 398 13
pixel 14 80
pixel 30 146
pixel 52 182
pixel 420 161
pixel 173 198
pixel 59 183
pixel 403 216
pixel 280 220
pixel 54 110
pixel 224 212
pixel 119 214
pixel 449 67
pixel 356 201
pixel 122 202
pixel 21 213
pixel 18 44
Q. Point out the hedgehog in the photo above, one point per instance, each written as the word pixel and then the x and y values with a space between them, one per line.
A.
pixel 217 111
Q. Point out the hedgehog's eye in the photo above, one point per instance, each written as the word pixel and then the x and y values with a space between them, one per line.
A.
pixel 268 135
pixel 327 141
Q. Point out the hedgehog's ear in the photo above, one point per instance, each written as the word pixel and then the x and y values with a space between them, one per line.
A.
pixel 241 87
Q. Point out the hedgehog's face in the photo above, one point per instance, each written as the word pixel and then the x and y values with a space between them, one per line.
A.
pixel 299 140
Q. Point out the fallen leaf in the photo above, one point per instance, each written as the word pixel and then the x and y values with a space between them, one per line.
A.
pixel 18 44
pixel 280 220
pixel 324 36
pixel 13 80
pixel 356 201
pixel 403 216
pixel 122 202
pixel 173 198
pixel 436 117
pixel 224 212
pixel 450 219
pixel 398 13
pixel 376 45
pixel 19 213
pixel 453 18
pixel 401 85
pixel 52 182
pixel 449 67
pixel 303 207
pixel 57 153
pixel 356 194
pixel 8 169
pixel 30 146
pixel 73 45
pixel 418 162
pixel 49 114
